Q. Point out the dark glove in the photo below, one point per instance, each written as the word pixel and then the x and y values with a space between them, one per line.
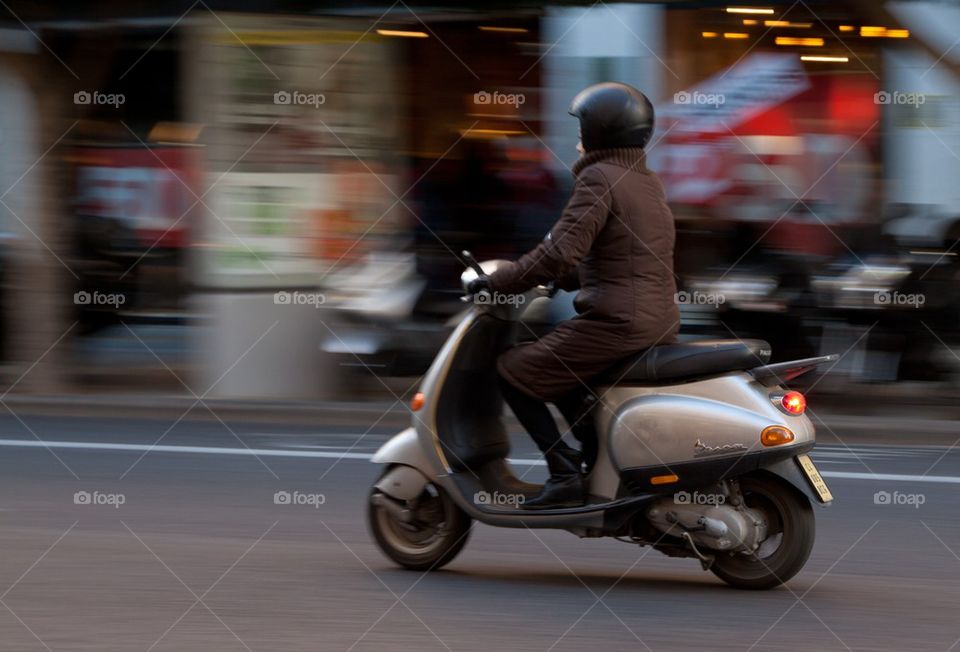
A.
pixel 478 285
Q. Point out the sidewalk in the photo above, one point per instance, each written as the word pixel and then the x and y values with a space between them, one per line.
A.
pixel 837 421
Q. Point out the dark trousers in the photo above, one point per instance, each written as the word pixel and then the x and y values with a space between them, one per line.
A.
pixel 535 417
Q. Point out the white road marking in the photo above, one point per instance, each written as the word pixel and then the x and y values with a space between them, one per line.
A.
pixel 198 450
pixel 269 452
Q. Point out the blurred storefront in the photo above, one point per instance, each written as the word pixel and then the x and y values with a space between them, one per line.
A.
pixel 259 184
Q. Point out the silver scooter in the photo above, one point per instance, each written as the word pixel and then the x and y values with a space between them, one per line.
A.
pixel 702 453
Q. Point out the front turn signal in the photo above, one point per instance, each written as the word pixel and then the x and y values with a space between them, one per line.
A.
pixel 417 401
pixel 776 436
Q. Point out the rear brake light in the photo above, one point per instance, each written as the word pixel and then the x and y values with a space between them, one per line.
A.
pixel 794 403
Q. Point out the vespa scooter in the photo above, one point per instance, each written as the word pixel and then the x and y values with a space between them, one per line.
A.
pixel 702 453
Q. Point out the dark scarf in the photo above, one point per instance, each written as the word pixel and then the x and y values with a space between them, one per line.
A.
pixel 632 158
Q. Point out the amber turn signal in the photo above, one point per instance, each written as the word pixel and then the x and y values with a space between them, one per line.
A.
pixel 776 436
pixel 664 479
pixel 417 401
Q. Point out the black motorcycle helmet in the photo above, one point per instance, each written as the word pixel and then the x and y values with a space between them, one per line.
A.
pixel 612 114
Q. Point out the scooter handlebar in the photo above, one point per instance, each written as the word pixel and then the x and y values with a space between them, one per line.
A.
pixel 472 262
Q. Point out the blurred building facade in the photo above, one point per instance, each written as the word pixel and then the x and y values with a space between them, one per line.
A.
pixel 251 200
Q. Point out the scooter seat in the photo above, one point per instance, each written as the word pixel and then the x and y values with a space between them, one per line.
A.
pixel 687 361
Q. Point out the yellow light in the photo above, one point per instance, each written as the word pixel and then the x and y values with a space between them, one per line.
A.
pixel 664 479
pixel 813 42
pixel 785 23
pixel 824 58
pixel 873 31
pixel 510 30
pixel 847 28
pixel 736 35
pixel 750 21
pixel 749 10
pixel 898 33
pixel 776 436
pixel 400 32
pixel 708 34
pixel 482 133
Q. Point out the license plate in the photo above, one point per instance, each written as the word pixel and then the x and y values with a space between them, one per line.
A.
pixel 816 480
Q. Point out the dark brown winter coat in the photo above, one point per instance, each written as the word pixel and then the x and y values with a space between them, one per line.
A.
pixel 615 242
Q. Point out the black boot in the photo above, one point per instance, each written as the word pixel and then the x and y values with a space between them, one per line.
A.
pixel 564 488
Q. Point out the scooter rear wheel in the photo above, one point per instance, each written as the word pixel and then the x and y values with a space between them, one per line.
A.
pixel 791 529
pixel 435 533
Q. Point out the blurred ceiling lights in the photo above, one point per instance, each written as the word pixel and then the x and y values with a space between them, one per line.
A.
pixel 813 42
pixel 824 58
pixel 401 33
pixel 750 10
pixel 509 30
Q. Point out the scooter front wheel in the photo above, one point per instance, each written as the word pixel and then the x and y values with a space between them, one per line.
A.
pixel 790 533
pixel 421 534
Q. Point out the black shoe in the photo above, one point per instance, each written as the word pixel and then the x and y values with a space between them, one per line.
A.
pixel 564 488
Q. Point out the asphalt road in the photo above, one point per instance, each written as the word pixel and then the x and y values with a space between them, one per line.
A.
pixel 188 551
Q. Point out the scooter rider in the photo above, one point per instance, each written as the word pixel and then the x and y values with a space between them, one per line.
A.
pixel 614 242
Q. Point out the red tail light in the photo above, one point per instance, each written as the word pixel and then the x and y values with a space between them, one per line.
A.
pixel 794 403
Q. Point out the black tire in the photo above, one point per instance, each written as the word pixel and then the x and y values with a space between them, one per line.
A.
pixel 439 532
pixel 789 515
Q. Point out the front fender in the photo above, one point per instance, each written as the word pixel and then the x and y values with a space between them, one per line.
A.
pixel 403 448
pixel 402 482
pixel 407 477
